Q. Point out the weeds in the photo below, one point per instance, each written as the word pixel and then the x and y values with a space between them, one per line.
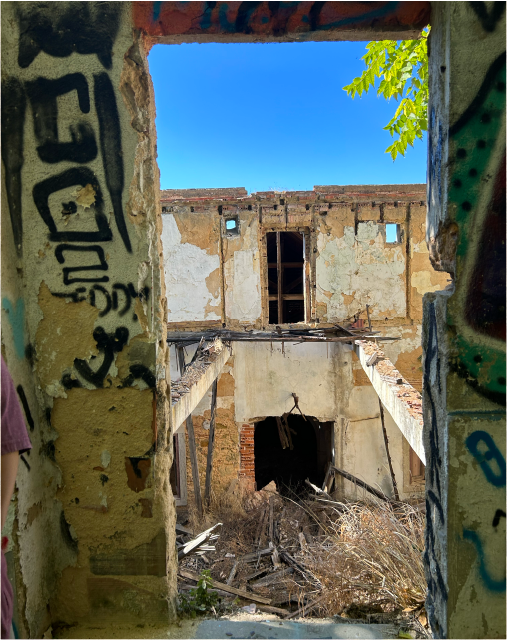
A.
pixel 200 600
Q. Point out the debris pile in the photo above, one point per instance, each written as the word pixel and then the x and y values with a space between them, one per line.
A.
pixel 204 356
pixel 319 557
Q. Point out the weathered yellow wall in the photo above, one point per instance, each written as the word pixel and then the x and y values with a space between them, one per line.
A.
pixel 84 233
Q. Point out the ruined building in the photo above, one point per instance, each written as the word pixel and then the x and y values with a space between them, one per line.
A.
pixel 88 290
pixel 225 255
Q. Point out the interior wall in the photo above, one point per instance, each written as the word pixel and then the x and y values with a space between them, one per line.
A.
pixel 83 320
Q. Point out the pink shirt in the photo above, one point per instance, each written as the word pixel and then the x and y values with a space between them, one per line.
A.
pixel 14 438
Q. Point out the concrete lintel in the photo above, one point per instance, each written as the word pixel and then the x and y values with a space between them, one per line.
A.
pixel 388 392
pixel 188 402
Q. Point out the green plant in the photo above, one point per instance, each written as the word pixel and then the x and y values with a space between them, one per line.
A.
pixel 402 68
pixel 201 599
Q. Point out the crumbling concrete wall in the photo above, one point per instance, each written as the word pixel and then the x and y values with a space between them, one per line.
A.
pixel 83 318
pixel 464 327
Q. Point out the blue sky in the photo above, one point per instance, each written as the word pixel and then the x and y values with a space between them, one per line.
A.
pixel 271 116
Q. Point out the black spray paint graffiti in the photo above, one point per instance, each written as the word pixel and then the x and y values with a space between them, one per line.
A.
pixel 101 266
pixel 26 407
pixel 499 513
pixel 435 516
pixel 488 18
pixel 85 28
pixel 43 96
pixel 118 300
pixel 108 344
pixel 13 118
pixel 82 27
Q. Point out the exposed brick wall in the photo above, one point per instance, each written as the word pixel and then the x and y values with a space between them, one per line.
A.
pixel 247 457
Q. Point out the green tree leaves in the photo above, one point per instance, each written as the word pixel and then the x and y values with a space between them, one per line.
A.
pixel 402 68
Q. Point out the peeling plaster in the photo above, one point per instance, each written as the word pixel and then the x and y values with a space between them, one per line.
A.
pixel 186 269
pixel 360 263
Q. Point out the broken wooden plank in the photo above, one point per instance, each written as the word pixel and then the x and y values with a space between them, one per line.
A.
pixel 386 442
pixel 185 573
pixel 183 530
pixel 317 490
pixel 306 608
pixel 272 578
pixel 233 572
pixel 262 523
pixel 268 609
pixel 257 573
pixel 254 555
pixel 211 442
pixel 361 483
pixel 270 527
pixel 198 541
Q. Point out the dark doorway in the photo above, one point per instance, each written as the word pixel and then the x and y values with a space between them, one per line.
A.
pixel 309 458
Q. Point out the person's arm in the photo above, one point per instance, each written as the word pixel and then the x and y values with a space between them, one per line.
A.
pixel 10 463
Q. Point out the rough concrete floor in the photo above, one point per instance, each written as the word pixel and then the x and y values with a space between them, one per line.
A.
pixel 242 625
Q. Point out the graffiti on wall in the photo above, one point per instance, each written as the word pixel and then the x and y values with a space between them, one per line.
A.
pixel 478 190
pixel 484 450
pixel 76 129
pixel 277 18
pixel 16 317
pixel 83 28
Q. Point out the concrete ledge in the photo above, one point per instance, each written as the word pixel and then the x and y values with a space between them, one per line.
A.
pixel 184 406
pixel 404 414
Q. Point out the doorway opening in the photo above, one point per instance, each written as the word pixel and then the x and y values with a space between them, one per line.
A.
pixel 311 453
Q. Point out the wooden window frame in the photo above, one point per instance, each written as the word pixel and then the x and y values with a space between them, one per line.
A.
pixel 308 274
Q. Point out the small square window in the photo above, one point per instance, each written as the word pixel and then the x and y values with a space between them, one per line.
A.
pixel 231 226
pixel 393 233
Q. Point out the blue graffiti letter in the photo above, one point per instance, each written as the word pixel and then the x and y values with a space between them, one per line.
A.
pixel 496 477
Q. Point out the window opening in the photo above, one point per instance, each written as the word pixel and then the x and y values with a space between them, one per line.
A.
pixel 285 254
pixel 417 467
pixel 393 233
pixel 231 226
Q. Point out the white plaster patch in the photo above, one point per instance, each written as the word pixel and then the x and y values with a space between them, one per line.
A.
pixel 186 268
pixel 363 265
pixel 243 286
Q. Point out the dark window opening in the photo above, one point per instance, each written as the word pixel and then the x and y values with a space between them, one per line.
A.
pixel 310 456
pixel 285 250
pixel 175 471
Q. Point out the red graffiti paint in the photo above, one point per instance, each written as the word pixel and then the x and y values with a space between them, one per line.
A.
pixel 280 19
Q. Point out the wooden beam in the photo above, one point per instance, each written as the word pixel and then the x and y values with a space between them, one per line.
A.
pixel 225 587
pixel 191 443
pixel 288 296
pixel 211 442
pixel 279 276
pixel 360 483
pixel 386 442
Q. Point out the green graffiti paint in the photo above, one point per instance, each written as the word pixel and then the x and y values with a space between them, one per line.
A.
pixel 16 316
pixel 476 197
